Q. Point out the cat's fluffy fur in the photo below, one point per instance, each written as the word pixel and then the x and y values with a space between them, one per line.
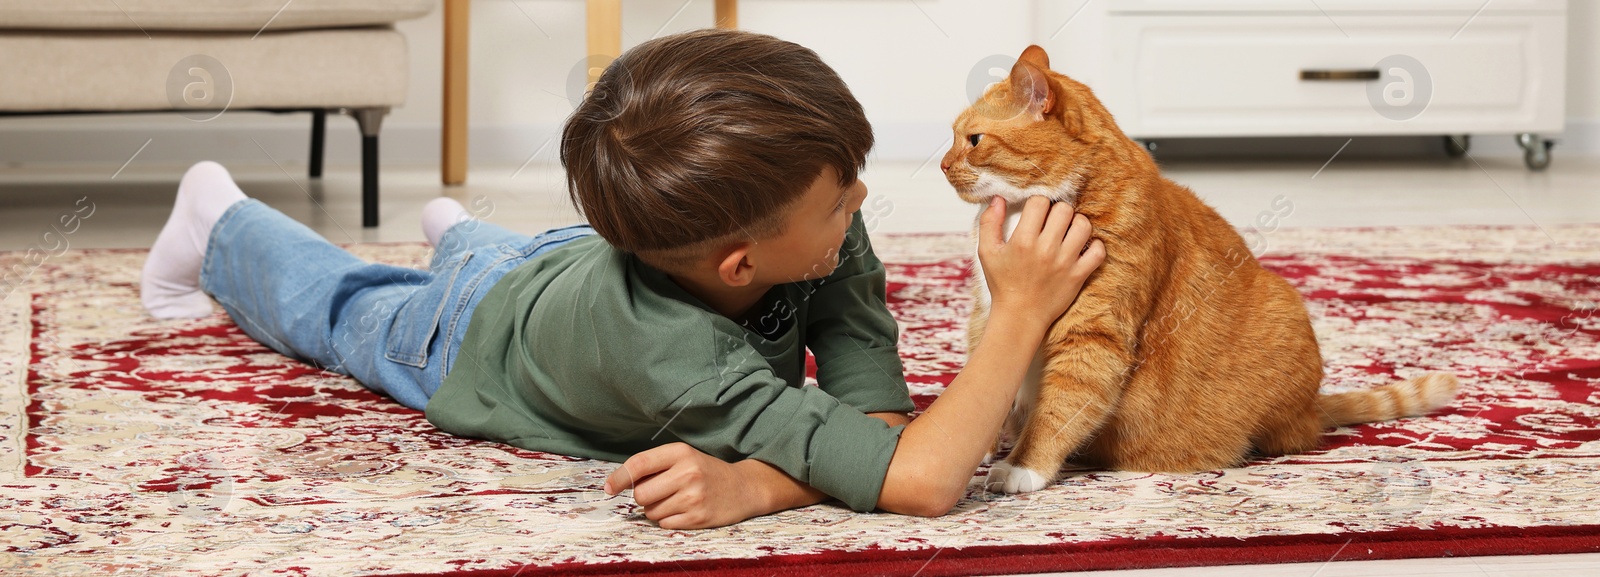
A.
pixel 1181 352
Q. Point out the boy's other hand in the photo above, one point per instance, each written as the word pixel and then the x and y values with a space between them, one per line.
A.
pixel 1038 272
pixel 683 488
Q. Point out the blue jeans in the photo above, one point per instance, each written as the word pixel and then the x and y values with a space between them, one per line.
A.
pixel 395 329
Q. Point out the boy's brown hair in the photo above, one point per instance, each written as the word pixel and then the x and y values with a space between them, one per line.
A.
pixel 707 137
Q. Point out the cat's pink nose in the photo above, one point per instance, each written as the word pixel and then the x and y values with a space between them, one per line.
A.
pixel 944 166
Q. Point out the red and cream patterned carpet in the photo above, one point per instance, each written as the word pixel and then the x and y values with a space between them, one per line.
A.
pixel 184 448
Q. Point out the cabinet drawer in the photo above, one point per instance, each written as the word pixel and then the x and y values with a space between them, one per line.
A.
pixel 1242 75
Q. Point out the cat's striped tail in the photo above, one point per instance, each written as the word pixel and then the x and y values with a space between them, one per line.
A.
pixel 1410 398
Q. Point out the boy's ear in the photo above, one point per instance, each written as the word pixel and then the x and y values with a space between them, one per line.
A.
pixel 735 268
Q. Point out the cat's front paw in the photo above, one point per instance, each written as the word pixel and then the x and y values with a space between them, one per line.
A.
pixel 1005 477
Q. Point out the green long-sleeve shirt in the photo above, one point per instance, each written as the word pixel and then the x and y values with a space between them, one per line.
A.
pixel 586 351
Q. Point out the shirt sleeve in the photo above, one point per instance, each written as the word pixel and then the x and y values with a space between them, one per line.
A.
pixel 851 333
pixel 804 431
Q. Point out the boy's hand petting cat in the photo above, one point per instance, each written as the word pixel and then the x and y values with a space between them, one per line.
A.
pixel 683 488
pixel 1039 271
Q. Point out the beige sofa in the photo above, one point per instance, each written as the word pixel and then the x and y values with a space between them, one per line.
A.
pixel 203 58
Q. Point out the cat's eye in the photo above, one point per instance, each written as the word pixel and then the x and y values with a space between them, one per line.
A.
pixel 973 138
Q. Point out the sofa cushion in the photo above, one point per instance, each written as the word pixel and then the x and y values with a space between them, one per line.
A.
pixel 237 15
pixel 126 71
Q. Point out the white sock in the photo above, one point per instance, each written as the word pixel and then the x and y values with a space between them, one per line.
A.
pixel 170 286
pixel 439 215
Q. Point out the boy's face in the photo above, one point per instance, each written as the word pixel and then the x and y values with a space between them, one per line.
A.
pixel 813 232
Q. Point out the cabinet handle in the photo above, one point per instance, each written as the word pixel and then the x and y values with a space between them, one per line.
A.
pixel 1340 75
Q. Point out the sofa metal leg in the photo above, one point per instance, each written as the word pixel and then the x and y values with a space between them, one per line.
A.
pixel 319 128
pixel 369 181
pixel 370 120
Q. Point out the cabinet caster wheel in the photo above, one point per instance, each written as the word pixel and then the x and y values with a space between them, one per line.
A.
pixel 1535 151
pixel 1457 146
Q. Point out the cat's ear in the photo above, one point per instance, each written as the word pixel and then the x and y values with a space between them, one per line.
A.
pixel 1035 55
pixel 1031 88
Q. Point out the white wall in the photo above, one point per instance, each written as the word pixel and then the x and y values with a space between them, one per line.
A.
pixel 906 61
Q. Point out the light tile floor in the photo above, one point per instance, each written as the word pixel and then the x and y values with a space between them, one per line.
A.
pixel 130 206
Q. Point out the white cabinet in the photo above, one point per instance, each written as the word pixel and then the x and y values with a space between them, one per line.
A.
pixel 1171 68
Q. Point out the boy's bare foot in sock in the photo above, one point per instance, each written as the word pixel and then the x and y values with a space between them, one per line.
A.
pixel 170 286
pixel 439 215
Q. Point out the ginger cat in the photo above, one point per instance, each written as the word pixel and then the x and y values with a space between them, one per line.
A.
pixel 1181 353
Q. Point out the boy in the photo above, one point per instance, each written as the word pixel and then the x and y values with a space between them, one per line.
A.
pixel 719 170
